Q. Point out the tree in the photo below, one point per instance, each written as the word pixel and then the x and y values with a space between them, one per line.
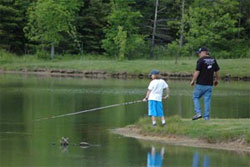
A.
pixel 244 19
pixel 212 23
pixel 48 20
pixel 12 18
pixel 154 29
pixel 168 22
pixel 182 26
pixel 90 23
pixel 179 22
pixel 121 34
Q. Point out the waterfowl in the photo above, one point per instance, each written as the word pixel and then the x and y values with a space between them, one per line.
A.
pixel 64 141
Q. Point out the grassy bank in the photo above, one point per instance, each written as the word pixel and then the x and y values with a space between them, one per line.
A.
pixel 213 131
pixel 232 67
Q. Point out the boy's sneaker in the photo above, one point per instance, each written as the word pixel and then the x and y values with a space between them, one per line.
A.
pixel 163 124
pixel 154 124
pixel 197 116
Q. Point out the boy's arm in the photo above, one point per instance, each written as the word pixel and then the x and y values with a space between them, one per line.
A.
pixel 147 95
pixel 167 93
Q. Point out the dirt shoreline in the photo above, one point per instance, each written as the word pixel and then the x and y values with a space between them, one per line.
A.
pixel 134 132
pixel 105 74
pixel 94 74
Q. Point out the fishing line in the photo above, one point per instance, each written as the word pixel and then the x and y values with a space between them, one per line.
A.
pixel 89 110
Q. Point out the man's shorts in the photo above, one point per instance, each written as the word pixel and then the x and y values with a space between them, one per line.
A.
pixel 155 108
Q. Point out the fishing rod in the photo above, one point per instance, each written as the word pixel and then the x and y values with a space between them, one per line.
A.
pixel 89 110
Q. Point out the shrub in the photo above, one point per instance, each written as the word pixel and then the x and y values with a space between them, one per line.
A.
pixel 42 54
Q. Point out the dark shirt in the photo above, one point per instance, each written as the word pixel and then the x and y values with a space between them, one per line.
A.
pixel 207 66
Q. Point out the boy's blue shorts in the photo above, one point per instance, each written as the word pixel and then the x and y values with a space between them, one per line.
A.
pixel 155 108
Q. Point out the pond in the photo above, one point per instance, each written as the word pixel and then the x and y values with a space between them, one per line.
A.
pixel 27 142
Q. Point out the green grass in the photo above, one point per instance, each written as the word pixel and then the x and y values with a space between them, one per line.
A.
pixel 213 131
pixel 233 67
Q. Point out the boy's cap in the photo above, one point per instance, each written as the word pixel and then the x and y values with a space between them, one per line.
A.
pixel 201 50
pixel 154 72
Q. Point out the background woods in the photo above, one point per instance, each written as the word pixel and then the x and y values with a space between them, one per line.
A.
pixel 125 29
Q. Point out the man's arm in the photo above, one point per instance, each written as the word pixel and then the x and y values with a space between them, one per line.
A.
pixel 195 76
pixel 216 80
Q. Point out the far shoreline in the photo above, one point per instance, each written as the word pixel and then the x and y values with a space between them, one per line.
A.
pixel 134 132
pixel 105 74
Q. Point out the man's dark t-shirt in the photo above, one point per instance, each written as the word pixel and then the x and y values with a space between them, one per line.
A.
pixel 207 66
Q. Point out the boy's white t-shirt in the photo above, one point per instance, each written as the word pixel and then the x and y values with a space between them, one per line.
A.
pixel 157 86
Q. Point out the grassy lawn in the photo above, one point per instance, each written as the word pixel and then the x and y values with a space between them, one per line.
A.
pixel 214 130
pixel 233 67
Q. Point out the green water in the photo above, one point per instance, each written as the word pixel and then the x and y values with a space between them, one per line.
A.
pixel 25 142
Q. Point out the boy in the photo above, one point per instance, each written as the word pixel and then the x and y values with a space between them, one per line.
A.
pixel 154 97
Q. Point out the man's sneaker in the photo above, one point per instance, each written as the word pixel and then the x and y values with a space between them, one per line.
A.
pixel 163 124
pixel 206 118
pixel 154 124
pixel 197 116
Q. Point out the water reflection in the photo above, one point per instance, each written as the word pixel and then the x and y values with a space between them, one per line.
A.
pixel 155 157
pixel 25 143
pixel 196 160
pixel 64 149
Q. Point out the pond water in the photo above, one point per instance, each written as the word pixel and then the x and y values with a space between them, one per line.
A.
pixel 25 142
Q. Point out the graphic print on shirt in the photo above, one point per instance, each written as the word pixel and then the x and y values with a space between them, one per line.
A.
pixel 209 63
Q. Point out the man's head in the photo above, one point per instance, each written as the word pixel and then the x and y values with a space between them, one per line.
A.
pixel 203 51
pixel 154 74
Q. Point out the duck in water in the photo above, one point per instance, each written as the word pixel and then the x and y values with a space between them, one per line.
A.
pixel 64 141
pixel 84 144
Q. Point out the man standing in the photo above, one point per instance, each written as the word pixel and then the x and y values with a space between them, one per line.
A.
pixel 204 77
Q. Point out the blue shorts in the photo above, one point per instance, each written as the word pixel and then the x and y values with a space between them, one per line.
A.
pixel 155 108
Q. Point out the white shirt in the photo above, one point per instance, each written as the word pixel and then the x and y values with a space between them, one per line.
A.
pixel 157 86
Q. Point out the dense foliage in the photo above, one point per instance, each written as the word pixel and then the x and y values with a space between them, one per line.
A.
pixel 123 29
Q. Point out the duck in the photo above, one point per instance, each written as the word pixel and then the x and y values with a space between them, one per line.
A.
pixel 64 141
pixel 84 144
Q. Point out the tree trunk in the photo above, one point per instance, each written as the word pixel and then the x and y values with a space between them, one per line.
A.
pixel 239 22
pixel 52 53
pixel 182 31
pixel 154 30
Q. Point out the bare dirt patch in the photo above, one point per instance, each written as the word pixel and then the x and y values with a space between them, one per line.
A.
pixel 134 132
